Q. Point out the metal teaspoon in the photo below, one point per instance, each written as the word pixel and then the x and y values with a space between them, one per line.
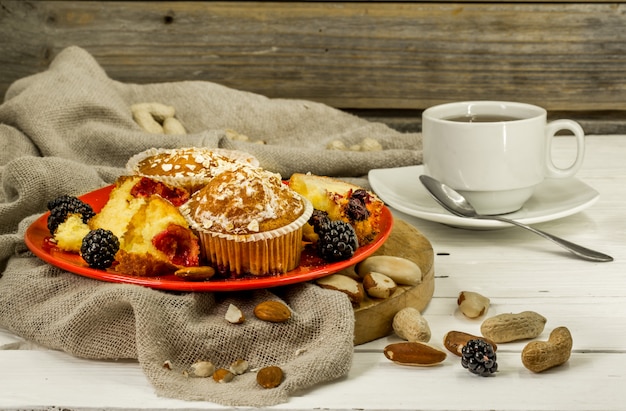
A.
pixel 455 203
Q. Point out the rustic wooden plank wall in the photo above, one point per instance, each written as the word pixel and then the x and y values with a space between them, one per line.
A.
pixel 382 60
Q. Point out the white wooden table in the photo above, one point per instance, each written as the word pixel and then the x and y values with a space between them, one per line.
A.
pixel 516 269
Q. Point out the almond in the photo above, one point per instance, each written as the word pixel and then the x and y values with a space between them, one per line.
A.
pixel 454 341
pixel 269 377
pixel 414 353
pixel 200 273
pixel 239 366
pixel 223 375
pixel 234 315
pixel 272 311
pixel 202 369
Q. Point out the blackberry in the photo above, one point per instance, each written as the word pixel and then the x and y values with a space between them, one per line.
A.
pixel 479 358
pixel 64 205
pixel 99 248
pixel 64 199
pixel 337 240
pixel 318 218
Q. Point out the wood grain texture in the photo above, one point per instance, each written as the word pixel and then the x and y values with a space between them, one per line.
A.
pixel 351 55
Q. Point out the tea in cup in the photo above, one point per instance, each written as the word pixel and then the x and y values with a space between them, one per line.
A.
pixel 494 152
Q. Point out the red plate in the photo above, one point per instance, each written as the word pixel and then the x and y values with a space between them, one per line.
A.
pixel 311 267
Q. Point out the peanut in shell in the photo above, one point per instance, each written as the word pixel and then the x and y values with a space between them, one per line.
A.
pixel 538 356
pixel 513 327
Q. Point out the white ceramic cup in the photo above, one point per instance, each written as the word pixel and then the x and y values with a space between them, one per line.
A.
pixel 497 159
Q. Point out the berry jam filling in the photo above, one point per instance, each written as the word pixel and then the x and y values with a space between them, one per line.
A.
pixel 147 187
pixel 179 245
pixel 357 208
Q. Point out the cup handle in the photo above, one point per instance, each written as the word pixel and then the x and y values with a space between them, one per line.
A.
pixel 551 129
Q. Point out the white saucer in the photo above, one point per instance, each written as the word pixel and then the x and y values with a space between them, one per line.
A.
pixel 401 189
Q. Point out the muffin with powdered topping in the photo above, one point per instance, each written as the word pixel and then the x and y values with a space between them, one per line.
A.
pixel 189 167
pixel 248 222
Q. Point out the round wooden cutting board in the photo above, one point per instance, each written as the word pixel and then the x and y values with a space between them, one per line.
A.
pixel 373 317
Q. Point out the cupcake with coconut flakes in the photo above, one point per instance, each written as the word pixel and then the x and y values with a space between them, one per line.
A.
pixel 189 167
pixel 248 222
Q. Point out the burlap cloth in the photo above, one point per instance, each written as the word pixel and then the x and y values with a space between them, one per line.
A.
pixel 69 130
